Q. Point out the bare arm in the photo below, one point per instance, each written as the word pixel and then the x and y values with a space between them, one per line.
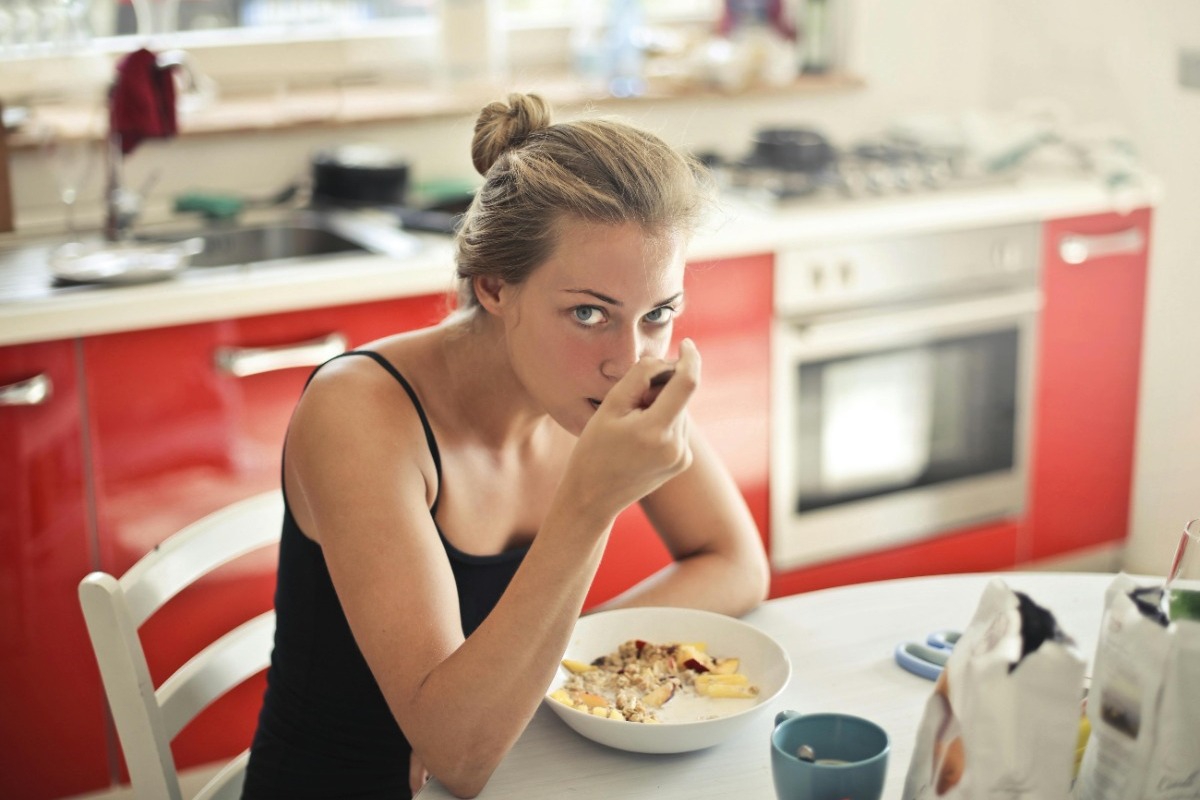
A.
pixel 719 561
pixel 462 703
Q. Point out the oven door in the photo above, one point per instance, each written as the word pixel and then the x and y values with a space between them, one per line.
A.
pixel 899 425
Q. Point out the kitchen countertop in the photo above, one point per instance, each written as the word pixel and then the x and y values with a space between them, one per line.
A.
pixel 32 310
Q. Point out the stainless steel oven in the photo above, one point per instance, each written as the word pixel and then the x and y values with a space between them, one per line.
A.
pixel 902 384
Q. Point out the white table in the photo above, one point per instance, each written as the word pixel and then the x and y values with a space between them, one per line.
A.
pixel 840 642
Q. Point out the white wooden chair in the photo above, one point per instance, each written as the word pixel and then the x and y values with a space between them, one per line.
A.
pixel 147 719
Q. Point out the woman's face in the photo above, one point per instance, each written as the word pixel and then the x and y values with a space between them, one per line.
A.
pixel 605 298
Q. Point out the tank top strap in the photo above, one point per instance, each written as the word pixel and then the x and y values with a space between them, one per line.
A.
pixel 412 395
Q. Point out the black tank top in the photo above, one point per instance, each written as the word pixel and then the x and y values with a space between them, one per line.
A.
pixel 324 730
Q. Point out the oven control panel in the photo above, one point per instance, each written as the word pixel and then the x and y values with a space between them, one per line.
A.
pixel 855 274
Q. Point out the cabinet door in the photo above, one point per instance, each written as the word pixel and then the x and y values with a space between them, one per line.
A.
pixel 1089 362
pixel 728 316
pixel 984 548
pixel 52 740
pixel 177 433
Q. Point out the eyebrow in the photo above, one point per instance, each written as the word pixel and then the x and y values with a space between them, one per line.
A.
pixel 615 302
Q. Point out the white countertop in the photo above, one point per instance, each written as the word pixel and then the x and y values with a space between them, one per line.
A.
pixel 31 310
pixel 841 643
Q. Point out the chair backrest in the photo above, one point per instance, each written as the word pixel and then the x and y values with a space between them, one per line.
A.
pixel 146 718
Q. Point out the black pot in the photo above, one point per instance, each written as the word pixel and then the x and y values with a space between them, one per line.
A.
pixel 359 175
pixel 796 149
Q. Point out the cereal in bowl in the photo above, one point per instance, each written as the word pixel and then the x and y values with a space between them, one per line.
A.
pixel 641 677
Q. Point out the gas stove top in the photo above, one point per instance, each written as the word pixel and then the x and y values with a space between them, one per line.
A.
pixel 867 170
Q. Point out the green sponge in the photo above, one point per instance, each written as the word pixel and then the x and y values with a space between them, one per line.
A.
pixel 213 206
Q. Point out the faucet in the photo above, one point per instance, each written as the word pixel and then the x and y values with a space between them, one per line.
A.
pixel 121 205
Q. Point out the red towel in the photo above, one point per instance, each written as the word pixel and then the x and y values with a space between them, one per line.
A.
pixel 142 100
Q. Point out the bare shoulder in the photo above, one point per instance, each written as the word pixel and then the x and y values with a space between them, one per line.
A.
pixel 358 388
pixel 355 430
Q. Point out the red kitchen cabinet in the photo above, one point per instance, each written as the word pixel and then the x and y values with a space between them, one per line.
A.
pixel 52 728
pixel 985 548
pixel 1089 361
pixel 176 433
pixel 728 316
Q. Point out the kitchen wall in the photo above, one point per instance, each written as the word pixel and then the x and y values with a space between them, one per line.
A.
pixel 1109 61
pixel 1116 61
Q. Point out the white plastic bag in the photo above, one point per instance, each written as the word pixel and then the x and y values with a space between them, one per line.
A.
pixel 1144 703
pixel 1003 720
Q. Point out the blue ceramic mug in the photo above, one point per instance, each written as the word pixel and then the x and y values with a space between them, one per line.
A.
pixel 850 757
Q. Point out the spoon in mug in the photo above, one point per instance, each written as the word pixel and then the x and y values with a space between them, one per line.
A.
pixel 805 753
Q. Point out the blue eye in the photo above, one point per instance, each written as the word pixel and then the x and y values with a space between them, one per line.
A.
pixel 661 315
pixel 588 315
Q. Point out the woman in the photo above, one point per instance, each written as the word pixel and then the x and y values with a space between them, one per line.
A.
pixel 450 490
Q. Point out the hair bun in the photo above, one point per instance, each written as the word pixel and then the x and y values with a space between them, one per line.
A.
pixel 502 126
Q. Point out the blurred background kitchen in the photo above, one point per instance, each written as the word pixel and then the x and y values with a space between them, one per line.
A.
pixel 816 117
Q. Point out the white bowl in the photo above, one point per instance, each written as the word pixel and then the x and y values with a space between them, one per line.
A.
pixel 688 723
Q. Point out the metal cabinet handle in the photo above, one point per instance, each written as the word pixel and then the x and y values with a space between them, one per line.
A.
pixel 36 391
pixel 242 361
pixel 1075 248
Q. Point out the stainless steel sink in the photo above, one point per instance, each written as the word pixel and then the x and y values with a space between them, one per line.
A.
pixel 253 245
pixel 301 235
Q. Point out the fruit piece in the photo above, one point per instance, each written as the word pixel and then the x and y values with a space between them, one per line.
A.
pixel 694 659
pixel 726 666
pixel 727 690
pixel 600 711
pixel 591 700
pixel 576 666
pixel 659 695
pixel 561 696
pixel 711 678
pixel 615 714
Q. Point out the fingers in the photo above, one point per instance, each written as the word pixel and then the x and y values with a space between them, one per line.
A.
pixel 673 398
pixel 632 390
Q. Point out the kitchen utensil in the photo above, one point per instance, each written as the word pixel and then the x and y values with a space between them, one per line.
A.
pixel 922 659
pixel 121 262
pixel 359 174
pixel 929 659
pixel 851 756
pixel 943 639
pixel 688 722
pixel 795 149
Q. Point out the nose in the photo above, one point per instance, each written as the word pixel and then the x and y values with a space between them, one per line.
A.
pixel 623 351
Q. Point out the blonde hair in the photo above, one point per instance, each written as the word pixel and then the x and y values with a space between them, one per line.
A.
pixel 536 173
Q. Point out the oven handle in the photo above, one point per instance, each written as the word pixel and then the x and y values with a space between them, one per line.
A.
pixel 1076 248
pixel 828 339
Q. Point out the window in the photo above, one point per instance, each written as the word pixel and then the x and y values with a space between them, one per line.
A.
pixel 50 47
pixel 29 27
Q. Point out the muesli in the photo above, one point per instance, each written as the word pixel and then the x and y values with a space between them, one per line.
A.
pixel 632 683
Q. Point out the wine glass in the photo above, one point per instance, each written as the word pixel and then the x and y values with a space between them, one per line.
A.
pixel 71 164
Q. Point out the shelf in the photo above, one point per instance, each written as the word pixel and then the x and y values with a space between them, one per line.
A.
pixel 382 103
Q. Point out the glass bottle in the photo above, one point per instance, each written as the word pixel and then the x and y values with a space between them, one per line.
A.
pixel 625 57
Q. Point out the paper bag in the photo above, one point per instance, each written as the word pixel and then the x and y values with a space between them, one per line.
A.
pixel 1003 719
pixel 1144 702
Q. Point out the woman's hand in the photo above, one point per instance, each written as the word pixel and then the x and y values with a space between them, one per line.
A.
pixel 638 438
